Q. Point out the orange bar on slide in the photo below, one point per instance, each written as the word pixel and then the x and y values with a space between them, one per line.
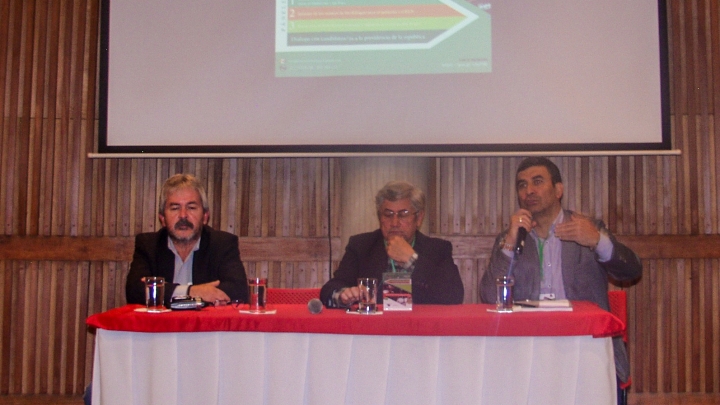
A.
pixel 317 13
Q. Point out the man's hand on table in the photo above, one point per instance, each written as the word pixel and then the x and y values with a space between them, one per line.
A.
pixel 349 296
pixel 209 292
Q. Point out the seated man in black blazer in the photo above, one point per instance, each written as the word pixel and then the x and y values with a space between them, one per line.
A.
pixel 397 246
pixel 193 258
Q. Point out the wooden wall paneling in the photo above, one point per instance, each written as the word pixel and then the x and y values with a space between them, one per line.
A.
pixel 287 192
pixel 336 214
pixel 714 99
pixel 446 202
pixel 311 199
pixel 701 126
pixel 88 109
pixel 226 213
pixel 245 192
pixel 457 188
pixel 143 197
pixel 707 334
pixel 670 330
pixel 650 198
pixel 276 277
pixel 507 194
pixel 305 185
pixel 612 201
pixel 652 293
pixel 16 336
pixel 431 194
pixel 469 273
pixel 324 201
pixel 667 225
pixel 691 151
pixel 132 201
pixel 624 197
pixel 80 343
pixel 269 196
pixel 639 196
pixel 715 327
pixel 470 205
pixel 293 198
pixel 32 320
pixel 41 329
pixel 5 35
pixel 484 196
pixel 213 188
pixel 6 285
pixel 684 326
pixel 692 379
pixel 35 117
pixel 10 120
pixel 640 368
pixel 585 183
pixel 76 156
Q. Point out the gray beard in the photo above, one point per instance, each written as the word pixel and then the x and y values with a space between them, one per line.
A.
pixel 192 239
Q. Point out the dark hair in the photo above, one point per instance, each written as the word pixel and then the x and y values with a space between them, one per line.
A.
pixel 541 161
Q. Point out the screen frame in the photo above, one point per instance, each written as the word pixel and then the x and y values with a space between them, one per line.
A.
pixel 480 149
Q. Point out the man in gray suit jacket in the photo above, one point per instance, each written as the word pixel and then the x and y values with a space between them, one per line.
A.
pixel 566 255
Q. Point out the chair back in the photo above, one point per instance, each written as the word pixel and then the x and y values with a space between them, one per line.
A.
pixel 618 307
pixel 291 295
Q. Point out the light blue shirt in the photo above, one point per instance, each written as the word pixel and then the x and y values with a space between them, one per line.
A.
pixel 183 270
pixel 550 250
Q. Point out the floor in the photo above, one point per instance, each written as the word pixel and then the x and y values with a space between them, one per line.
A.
pixel 673 399
pixel 633 399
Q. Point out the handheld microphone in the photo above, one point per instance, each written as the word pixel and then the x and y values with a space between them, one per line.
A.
pixel 520 244
pixel 315 306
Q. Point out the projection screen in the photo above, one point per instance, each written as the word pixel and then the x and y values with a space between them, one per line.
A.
pixel 383 76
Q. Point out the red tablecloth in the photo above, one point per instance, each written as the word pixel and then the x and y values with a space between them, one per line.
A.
pixel 428 320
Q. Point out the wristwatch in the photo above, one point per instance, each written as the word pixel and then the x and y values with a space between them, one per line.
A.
pixel 411 261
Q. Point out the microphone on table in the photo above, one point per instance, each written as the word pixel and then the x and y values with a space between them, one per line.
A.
pixel 520 244
pixel 315 306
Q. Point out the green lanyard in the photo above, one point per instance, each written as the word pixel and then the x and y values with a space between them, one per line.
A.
pixel 392 262
pixel 541 255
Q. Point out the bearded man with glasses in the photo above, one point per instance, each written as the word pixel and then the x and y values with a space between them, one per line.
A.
pixel 397 246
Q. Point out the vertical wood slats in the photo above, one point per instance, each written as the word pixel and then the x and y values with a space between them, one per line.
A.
pixel 48 85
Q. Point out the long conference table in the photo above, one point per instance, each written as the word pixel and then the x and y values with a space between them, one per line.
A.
pixel 462 354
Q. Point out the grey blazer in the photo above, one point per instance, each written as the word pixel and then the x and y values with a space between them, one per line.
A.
pixel 584 278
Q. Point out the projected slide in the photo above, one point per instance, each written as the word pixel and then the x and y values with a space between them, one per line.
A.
pixel 381 37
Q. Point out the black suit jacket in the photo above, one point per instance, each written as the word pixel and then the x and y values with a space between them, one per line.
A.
pixel 217 259
pixel 435 279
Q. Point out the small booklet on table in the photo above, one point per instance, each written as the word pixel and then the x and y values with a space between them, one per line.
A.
pixel 542 305
pixel 397 291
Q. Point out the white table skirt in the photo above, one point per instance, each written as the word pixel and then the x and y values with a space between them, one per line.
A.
pixel 296 368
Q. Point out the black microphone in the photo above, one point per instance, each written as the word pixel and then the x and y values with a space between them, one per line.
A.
pixel 520 244
pixel 315 306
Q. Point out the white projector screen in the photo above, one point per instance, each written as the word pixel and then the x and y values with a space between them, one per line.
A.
pixel 398 76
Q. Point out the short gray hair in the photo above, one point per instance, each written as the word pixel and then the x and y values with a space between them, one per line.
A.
pixel 400 190
pixel 175 183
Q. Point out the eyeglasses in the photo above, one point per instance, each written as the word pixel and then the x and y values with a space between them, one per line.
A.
pixel 403 215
